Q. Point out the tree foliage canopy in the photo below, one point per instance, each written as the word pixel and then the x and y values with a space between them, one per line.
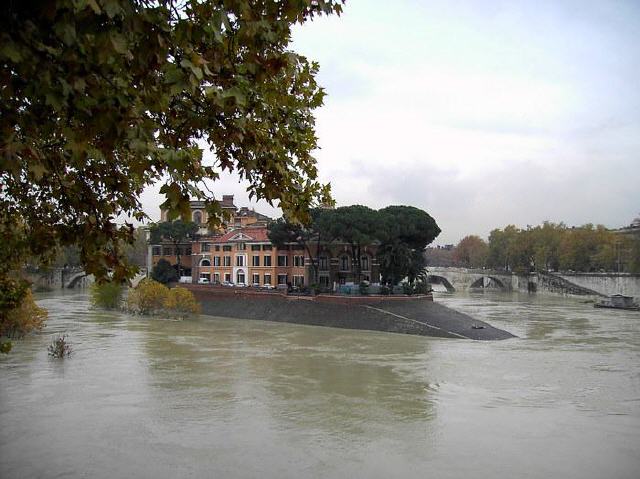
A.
pixel 471 252
pixel 101 98
pixel 173 231
pixel 552 246
pixel 401 233
pixel 164 273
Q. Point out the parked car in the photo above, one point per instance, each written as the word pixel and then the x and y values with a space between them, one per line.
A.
pixel 241 285
pixel 227 283
pixel 203 280
pixel 267 286
pixel 255 285
pixel 185 279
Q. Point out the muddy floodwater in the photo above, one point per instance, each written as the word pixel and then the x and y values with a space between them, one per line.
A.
pixel 213 397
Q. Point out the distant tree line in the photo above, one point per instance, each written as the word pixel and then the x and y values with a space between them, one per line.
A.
pixel 400 233
pixel 551 247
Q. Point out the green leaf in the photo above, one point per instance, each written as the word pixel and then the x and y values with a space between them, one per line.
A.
pixel 9 50
pixel 119 43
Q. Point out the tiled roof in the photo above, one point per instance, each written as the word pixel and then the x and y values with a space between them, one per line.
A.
pixel 247 234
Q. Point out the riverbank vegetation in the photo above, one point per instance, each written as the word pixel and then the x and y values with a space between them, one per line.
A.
pixel 148 298
pixel 24 319
pixel 107 295
pixel 153 298
pixel 551 247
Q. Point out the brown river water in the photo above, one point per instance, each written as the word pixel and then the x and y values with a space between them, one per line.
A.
pixel 227 398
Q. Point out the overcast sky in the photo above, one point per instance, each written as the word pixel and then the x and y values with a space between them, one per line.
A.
pixel 482 113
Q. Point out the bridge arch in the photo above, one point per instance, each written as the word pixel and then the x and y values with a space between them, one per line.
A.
pixel 435 279
pixel 74 280
pixel 480 282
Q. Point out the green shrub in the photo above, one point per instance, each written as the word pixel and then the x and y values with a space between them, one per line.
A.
pixel 364 288
pixel 59 347
pixel 148 297
pixel 407 289
pixel 385 290
pixel 422 287
pixel 27 317
pixel 180 302
pixel 106 295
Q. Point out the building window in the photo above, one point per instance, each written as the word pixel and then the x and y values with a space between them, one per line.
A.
pixel 282 279
pixel 216 277
pixel 256 261
pixel 282 260
pixel 240 260
pixel 227 261
pixel 255 247
pixel 197 217
pixel 206 247
pixel 324 281
pixel 156 251
pixel 364 263
pixel 205 262
pixel 267 280
pixel 167 251
pixel 217 247
pixel 366 277
pixel 344 263
pixel 267 260
pixel 266 247
pixel 216 260
pixel 242 246
pixel 187 251
pixel 298 281
pixel 324 263
pixel 226 247
pixel 298 261
pixel 240 277
pixel 227 277
pixel 256 279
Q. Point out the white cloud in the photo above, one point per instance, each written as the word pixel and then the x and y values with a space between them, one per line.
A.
pixel 482 113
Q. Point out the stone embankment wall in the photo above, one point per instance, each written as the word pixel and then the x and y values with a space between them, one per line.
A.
pixel 606 283
pixel 208 291
pixel 417 315
pixel 579 284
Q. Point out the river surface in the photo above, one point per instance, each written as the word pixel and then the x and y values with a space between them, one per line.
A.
pixel 212 397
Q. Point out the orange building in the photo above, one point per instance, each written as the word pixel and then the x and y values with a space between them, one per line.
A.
pixel 245 256
pixel 241 253
pixel 236 218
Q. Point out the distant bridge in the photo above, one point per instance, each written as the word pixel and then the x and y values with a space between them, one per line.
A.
pixel 589 284
pixel 460 279
pixel 77 276
pixel 74 279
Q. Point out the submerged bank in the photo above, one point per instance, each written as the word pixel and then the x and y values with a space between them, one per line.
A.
pixel 417 315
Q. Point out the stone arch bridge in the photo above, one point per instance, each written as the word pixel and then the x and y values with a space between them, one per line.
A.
pixel 76 279
pixel 581 284
pixel 457 279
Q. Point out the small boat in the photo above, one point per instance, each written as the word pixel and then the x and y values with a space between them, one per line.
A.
pixel 618 301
